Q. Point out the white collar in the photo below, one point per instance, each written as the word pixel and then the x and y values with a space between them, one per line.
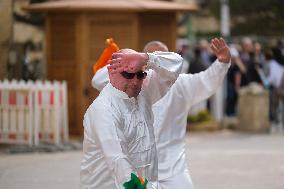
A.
pixel 120 94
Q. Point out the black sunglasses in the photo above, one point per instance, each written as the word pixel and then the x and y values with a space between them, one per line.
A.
pixel 140 75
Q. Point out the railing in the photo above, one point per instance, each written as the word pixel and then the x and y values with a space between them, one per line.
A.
pixel 33 112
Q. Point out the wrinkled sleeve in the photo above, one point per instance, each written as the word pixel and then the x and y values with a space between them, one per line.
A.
pixel 163 70
pixel 197 87
pixel 104 130
pixel 100 79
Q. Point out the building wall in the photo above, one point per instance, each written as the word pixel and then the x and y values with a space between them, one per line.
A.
pixel 157 26
pixel 5 35
pixel 20 41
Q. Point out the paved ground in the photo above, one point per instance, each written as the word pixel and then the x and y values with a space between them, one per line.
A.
pixel 219 160
pixel 226 160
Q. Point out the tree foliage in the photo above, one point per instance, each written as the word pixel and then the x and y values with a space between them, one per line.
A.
pixel 259 17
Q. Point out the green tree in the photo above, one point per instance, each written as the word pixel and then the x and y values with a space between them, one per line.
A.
pixel 259 17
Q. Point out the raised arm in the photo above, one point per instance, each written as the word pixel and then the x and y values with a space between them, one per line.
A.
pixel 197 87
pixel 163 69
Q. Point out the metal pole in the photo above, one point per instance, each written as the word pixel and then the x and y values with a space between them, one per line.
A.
pixel 218 102
pixel 225 18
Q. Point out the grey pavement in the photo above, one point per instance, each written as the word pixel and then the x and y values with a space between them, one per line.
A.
pixel 217 160
pixel 226 160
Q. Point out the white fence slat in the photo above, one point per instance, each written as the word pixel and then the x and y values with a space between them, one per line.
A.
pixel 64 111
pixel 5 110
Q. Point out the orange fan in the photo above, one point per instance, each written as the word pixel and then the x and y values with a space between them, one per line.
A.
pixel 106 55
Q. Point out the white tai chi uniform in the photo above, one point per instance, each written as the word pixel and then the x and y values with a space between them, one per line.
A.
pixel 170 120
pixel 118 130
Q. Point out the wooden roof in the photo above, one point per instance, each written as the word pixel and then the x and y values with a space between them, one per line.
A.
pixel 111 5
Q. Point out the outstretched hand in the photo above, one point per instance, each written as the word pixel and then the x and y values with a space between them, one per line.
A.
pixel 221 50
pixel 131 62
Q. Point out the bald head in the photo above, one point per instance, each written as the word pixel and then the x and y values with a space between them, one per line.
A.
pixel 126 51
pixel 129 63
pixel 153 46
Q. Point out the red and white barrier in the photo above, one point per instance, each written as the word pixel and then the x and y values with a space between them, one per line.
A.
pixel 33 112
pixel 16 112
pixel 50 112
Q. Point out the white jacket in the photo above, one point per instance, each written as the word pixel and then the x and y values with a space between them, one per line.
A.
pixel 170 113
pixel 118 130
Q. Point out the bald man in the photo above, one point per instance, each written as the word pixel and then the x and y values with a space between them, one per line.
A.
pixel 170 113
pixel 118 125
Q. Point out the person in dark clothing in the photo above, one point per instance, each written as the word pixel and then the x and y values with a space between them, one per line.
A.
pixel 247 56
pixel 278 52
pixel 197 65
pixel 235 80
pixel 252 66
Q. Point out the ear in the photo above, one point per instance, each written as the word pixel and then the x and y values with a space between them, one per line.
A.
pixel 110 74
pixel 109 70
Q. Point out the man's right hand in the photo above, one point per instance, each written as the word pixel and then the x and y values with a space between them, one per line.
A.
pixel 131 62
pixel 221 50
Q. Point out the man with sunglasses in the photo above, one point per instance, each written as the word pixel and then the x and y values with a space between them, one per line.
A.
pixel 170 113
pixel 118 125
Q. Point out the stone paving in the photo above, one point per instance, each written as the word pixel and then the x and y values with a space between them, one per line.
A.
pixel 217 160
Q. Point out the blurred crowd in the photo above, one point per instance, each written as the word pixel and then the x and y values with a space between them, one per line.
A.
pixel 252 62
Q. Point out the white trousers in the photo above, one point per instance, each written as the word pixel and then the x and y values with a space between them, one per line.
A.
pixel 180 181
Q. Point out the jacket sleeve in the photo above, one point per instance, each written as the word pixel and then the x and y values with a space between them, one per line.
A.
pixel 100 79
pixel 163 70
pixel 103 130
pixel 197 87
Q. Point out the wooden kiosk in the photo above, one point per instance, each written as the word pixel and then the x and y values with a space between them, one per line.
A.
pixel 75 37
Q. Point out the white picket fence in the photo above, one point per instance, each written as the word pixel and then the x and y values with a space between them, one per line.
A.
pixel 33 112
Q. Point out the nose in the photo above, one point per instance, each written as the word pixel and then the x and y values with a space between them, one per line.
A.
pixel 136 82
